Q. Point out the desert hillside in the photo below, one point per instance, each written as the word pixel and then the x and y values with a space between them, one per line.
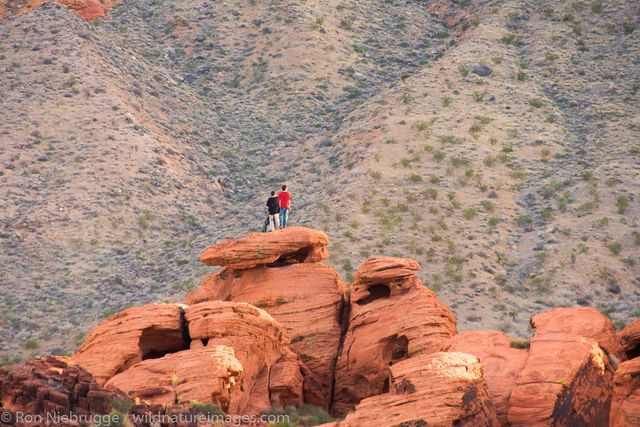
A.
pixel 497 143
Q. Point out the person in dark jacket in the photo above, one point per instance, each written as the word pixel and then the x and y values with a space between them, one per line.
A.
pixel 273 207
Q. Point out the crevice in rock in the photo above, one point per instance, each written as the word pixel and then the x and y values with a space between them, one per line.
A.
pixel 343 320
pixel 205 341
pixel 375 292
pixel 633 353
pixel 296 257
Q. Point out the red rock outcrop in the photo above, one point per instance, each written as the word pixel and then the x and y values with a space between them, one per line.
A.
pixel 392 316
pixel 630 339
pixel 625 404
pixel 131 336
pixel 271 371
pixel 501 363
pixel 283 246
pixel 53 384
pixel 583 322
pixel 204 375
pixel 306 298
pixel 86 9
pixel 438 389
pixel 566 381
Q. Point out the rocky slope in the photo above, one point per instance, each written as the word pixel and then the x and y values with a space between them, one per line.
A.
pixel 395 357
pixel 494 142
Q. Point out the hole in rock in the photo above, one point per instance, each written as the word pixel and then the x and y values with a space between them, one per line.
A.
pixel 375 292
pixel 157 342
pixel 296 257
pixel 205 341
pixel 396 348
pixel 633 353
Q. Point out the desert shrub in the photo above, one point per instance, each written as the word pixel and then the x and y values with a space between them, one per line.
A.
pixel 622 203
pixel 615 247
pixel 523 343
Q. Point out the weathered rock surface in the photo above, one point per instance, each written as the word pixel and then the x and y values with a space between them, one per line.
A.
pixel 131 336
pixel 501 363
pixel 566 381
pixel 206 375
pixel 271 372
pixel 630 339
pixel 307 299
pixel 86 9
pixel 52 384
pixel 439 389
pixel 392 316
pixel 625 404
pixel 582 322
pixel 283 246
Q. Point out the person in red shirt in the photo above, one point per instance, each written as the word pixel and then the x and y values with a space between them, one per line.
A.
pixel 285 206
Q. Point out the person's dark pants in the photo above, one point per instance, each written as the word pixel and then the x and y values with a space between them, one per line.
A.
pixel 284 216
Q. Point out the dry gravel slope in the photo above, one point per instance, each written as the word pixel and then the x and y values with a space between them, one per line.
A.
pixel 129 145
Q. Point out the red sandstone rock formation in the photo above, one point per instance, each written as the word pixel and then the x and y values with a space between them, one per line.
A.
pixel 630 339
pixel 283 246
pixel 271 371
pixel 501 363
pixel 86 9
pixel 439 389
pixel 204 375
pixel 131 336
pixel 392 316
pixel 566 381
pixel 582 322
pixel 306 298
pixel 239 356
pixel 625 405
pixel 52 385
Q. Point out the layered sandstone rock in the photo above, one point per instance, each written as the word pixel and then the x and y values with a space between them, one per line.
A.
pixel 625 404
pixel 630 339
pixel 205 375
pixel 566 381
pixel 583 322
pixel 283 246
pixel 131 336
pixel 52 385
pixel 271 371
pixel 86 9
pixel 439 389
pixel 392 316
pixel 501 363
pixel 306 298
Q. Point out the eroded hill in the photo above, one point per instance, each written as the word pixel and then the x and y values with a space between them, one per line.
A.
pixel 499 148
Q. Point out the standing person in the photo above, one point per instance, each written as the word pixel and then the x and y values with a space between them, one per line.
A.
pixel 285 206
pixel 273 206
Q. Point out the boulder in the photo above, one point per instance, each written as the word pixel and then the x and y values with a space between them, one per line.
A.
pixel 481 70
pixel 583 322
pixel 566 381
pixel 501 363
pixel 52 383
pixel 307 299
pixel 630 339
pixel 86 9
pixel 284 246
pixel 206 375
pixel 271 372
pixel 439 389
pixel 392 316
pixel 131 336
pixel 625 404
